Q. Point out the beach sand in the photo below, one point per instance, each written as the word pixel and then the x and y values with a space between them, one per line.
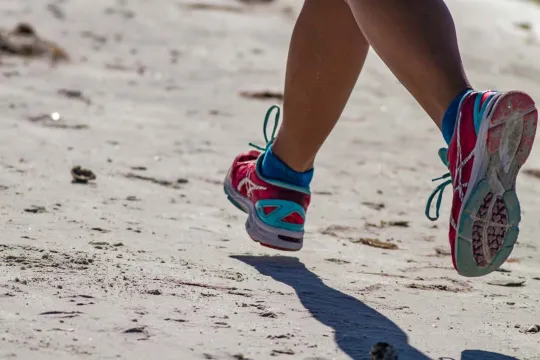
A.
pixel 150 261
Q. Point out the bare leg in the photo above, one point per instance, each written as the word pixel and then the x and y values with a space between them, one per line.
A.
pixel 417 40
pixel 326 55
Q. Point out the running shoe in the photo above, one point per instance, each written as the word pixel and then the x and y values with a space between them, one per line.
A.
pixel 276 210
pixel 493 138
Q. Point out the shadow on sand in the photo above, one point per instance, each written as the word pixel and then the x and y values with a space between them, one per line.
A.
pixel 357 327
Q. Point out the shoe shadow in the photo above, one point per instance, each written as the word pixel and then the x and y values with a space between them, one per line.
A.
pixel 357 327
pixel 484 355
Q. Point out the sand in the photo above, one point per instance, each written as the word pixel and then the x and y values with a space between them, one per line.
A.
pixel 150 261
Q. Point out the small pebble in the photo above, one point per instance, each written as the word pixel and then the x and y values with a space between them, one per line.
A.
pixel 383 351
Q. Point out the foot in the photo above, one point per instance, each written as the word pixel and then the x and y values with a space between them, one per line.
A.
pixel 276 210
pixel 493 138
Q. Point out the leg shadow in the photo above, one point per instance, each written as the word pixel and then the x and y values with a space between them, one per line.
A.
pixel 357 327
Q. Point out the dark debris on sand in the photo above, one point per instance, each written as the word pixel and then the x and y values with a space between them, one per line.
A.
pixel 23 41
pixel 81 175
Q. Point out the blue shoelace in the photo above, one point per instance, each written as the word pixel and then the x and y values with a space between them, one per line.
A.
pixel 439 190
pixel 265 125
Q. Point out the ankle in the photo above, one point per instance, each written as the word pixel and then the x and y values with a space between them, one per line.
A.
pixel 275 169
pixel 437 102
pixel 292 157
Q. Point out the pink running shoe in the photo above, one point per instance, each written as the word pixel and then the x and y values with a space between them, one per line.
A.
pixel 276 210
pixel 493 138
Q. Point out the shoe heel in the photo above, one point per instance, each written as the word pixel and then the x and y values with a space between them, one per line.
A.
pixel 511 135
pixel 273 237
pixel 258 231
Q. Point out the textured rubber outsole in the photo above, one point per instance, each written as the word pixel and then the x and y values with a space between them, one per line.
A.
pixel 487 228
pixel 258 231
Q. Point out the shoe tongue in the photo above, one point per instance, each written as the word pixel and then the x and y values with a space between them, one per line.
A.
pixel 443 155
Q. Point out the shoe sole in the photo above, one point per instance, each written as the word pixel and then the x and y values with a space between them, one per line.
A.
pixel 488 223
pixel 258 231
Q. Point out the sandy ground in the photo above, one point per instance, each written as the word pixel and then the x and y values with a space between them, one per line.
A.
pixel 151 262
